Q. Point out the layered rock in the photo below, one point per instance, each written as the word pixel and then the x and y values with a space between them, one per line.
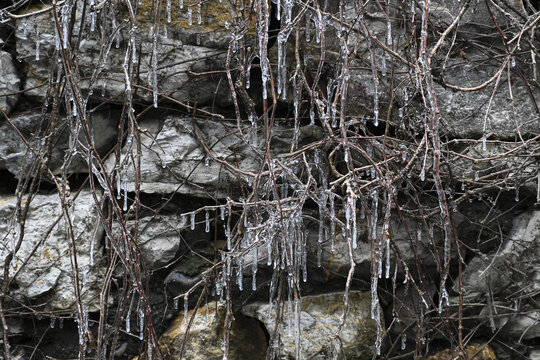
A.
pixel 36 130
pixel 57 244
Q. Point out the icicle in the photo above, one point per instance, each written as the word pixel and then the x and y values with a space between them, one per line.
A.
pixel 176 300
pixel 387 272
pixel 118 186
pixel 262 31
pixel 37 49
pixel 376 107
pixel 186 309
pixel 484 145
pixel 240 274
pixel 190 15
pixel 419 234
pixel 168 11
pixel 248 77
pixel 254 267
pixel 228 235
pixel 207 222
pixel 375 201
pixel 222 213
pixel 199 14
pixel 269 249
pixel 403 341
pixel 388 32
pixel 181 4
pixel 513 62
pixel 56 39
pixel 141 324
pixel 192 225
pixel 52 322
pixel 91 260
pixel 332 222
pixel 353 216
pixel 282 65
pixel 423 174
pixel 93 21
pixel 516 198
pixel 128 323
pixel 125 180
pixel 65 25
pixel 476 176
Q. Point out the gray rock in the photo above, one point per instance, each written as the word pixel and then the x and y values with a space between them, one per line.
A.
pixel 17 159
pixel 464 112
pixel 513 268
pixel 181 57
pixel 9 83
pixel 319 320
pixel 175 161
pixel 42 267
pixel 158 239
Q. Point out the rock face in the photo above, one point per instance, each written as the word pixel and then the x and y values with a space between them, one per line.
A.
pixel 35 128
pixel 200 156
pixel 158 239
pixel 43 264
pixel 269 122
pixel 205 339
pixel 9 83
pixel 182 55
pixel 319 320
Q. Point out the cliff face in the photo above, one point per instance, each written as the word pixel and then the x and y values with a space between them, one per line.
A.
pixel 278 179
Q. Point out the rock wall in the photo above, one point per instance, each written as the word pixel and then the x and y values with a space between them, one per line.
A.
pixel 269 179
